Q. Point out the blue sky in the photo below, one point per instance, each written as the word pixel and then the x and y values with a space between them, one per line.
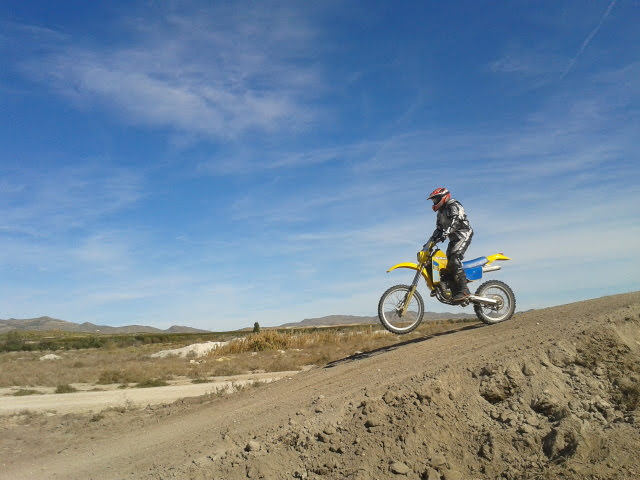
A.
pixel 219 163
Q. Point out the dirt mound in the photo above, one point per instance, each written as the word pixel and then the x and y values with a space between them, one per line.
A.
pixel 566 408
pixel 550 394
pixel 196 350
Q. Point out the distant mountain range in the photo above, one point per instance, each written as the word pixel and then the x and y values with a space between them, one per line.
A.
pixel 353 319
pixel 48 323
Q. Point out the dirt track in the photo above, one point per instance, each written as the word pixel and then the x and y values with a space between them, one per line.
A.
pixel 550 394
pixel 114 398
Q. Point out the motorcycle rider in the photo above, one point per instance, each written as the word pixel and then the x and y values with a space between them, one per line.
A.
pixel 452 222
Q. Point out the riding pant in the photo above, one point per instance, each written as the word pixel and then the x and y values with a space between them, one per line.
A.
pixel 458 244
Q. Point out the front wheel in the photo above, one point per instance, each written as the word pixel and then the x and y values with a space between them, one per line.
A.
pixel 501 292
pixel 391 305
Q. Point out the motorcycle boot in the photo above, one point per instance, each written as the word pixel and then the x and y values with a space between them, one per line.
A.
pixel 447 284
pixel 462 292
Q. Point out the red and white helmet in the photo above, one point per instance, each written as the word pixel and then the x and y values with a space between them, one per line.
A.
pixel 439 196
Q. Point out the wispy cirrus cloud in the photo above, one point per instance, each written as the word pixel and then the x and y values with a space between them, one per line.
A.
pixel 525 62
pixel 44 201
pixel 105 251
pixel 215 72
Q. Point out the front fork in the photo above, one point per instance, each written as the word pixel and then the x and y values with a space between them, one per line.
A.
pixel 412 290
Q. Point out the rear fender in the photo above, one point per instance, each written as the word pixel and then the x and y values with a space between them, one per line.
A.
pixel 496 256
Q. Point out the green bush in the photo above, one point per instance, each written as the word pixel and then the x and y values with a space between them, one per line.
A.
pixel 47 345
pixel 14 342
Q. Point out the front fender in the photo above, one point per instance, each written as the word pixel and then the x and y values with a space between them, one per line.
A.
pixel 413 266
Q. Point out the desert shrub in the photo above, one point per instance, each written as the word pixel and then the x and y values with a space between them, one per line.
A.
pixel 276 340
pixel 65 388
pixel 86 342
pixel 200 380
pixel 154 382
pixel 128 374
pixel 26 391
pixel 267 341
pixel 110 376
pixel 14 342
pixel 228 368
pixel 47 345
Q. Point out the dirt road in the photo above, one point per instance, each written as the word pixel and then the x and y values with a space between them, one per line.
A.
pixel 552 393
pixel 96 401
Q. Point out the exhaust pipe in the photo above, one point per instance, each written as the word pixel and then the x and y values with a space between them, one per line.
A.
pixel 484 300
pixel 491 268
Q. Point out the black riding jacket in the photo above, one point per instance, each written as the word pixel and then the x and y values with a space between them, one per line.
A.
pixel 452 222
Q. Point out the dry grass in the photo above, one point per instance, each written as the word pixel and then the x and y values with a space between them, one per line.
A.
pixel 94 366
pixel 273 350
pixel 277 340
pixel 269 350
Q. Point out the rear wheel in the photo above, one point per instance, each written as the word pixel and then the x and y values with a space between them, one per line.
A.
pixel 501 292
pixel 391 306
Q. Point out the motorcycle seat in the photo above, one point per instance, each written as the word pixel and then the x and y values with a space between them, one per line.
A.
pixel 476 262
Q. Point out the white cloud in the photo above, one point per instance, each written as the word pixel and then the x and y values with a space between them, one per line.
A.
pixel 105 252
pixel 527 63
pixel 46 200
pixel 214 72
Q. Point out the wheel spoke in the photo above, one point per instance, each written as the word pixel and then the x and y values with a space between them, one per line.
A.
pixel 392 305
pixel 500 292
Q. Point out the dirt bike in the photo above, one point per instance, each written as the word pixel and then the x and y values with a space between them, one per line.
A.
pixel 401 308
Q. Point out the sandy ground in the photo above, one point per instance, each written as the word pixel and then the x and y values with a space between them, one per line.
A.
pixel 549 394
pixel 90 400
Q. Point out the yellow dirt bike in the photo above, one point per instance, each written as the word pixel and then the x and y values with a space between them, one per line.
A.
pixel 401 308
